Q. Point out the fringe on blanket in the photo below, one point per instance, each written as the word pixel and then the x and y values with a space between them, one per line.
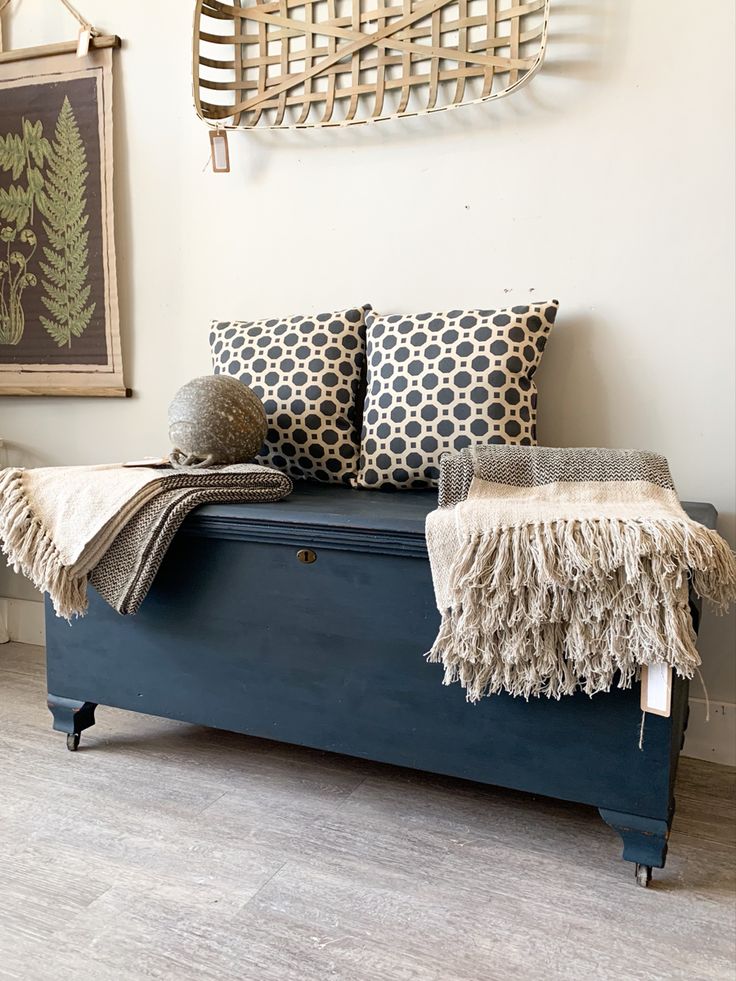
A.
pixel 31 551
pixel 570 604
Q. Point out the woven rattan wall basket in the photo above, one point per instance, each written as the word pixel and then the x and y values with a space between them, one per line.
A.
pixel 303 63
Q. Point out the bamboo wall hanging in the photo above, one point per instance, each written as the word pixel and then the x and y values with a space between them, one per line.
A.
pixel 305 63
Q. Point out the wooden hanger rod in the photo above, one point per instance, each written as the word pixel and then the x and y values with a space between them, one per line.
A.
pixel 64 47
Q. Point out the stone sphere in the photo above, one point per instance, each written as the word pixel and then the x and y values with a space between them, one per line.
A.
pixel 215 420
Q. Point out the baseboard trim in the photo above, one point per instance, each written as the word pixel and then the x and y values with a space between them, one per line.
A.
pixel 714 740
pixel 22 621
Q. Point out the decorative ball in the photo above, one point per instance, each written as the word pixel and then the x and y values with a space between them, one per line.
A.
pixel 215 420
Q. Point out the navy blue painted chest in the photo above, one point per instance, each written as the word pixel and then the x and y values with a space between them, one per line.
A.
pixel 306 621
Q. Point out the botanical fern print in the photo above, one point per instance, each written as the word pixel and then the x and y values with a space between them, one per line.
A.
pixel 59 320
pixel 23 155
pixel 63 204
pixel 60 196
pixel 14 278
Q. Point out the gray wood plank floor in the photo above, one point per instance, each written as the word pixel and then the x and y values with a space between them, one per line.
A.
pixel 168 851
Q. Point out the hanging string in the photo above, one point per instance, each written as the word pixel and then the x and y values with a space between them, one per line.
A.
pixel 705 692
pixel 84 23
pixel 75 13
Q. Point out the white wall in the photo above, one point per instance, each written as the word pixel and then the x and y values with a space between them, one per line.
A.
pixel 607 183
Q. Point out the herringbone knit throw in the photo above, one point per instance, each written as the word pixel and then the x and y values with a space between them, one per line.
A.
pixel 126 571
pixel 58 523
pixel 559 569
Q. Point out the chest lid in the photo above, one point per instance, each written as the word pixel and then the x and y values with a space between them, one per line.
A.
pixel 334 517
pixel 338 517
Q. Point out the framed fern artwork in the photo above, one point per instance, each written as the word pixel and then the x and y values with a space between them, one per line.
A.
pixel 59 324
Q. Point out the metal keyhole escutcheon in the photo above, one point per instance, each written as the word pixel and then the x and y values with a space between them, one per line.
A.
pixel 306 555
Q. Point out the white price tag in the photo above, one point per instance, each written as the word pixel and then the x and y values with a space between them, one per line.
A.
pixel 149 461
pixel 85 36
pixel 220 151
pixel 656 689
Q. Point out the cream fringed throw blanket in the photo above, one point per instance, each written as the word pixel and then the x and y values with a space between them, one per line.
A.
pixel 58 524
pixel 554 569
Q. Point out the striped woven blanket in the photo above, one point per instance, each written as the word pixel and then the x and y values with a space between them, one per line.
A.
pixel 59 525
pixel 564 569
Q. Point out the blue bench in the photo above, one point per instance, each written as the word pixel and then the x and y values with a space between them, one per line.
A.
pixel 306 622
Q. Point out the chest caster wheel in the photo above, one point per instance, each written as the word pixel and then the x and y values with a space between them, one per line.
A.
pixel 72 741
pixel 643 875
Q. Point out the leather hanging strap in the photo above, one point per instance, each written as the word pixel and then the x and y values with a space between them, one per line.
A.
pixel 3 5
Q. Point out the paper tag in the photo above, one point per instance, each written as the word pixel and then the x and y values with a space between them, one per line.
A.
pixel 149 461
pixel 85 36
pixel 656 689
pixel 220 151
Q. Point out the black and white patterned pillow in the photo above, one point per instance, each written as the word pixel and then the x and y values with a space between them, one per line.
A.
pixel 308 371
pixel 439 382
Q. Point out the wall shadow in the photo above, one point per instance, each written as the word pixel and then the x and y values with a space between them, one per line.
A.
pixel 123 206
pixel 584 48
pixel 572 391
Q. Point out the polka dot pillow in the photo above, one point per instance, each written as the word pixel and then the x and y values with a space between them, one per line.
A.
pixel 308 371
pixel 438 382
